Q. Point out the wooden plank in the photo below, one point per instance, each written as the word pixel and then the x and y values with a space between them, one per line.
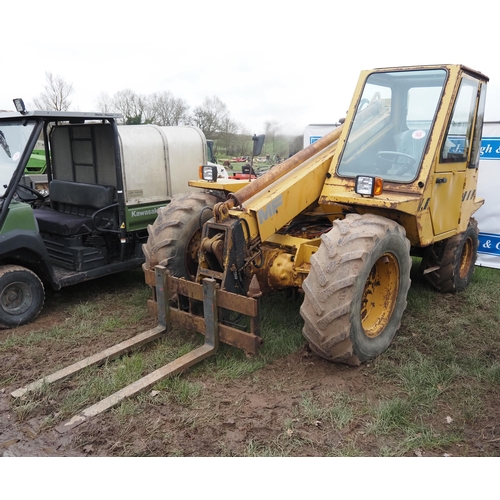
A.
pixel 149 277
pixel 96 359
pixel 248 342
pixel 227 300
pixel 238 303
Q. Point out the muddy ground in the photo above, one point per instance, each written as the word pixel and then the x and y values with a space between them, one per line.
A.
pixel 260 414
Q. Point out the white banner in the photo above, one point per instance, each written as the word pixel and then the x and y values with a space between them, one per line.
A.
pixel 488 216
pixel 488 187
pixel 314 132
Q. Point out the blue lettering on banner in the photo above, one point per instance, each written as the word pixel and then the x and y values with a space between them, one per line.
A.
pixel 458 144
pixel 489 243
pixel 314 138
pixel 490 148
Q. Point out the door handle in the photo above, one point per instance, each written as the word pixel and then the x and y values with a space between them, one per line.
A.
pixel 441 180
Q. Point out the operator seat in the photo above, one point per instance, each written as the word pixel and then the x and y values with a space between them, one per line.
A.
pixel 74 206
pixel 412 142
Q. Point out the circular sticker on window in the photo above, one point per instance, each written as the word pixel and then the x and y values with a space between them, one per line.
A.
pixel 418 134
pixel 16 156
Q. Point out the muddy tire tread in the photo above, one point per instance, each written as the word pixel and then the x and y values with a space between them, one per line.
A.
pixel 331 284
pixel 174 226
pixel 446 255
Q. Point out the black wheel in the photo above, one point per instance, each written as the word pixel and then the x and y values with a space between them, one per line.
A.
pixel 21 296
pixel 355 293
pixel 453 261
pixel 175 237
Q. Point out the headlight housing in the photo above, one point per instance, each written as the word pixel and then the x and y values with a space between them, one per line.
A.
pixel 369 186
pixel 208 173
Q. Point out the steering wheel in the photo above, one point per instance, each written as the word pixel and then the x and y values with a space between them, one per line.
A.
pixel 35 195
pixel 363 102
pixel 393 157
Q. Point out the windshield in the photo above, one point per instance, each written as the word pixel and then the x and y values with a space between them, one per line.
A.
pixel 13 139
pixel 392 124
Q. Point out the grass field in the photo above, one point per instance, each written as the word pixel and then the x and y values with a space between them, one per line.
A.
pixel 435 391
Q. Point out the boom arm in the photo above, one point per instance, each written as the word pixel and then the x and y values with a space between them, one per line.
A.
pixel 232 240
pixel 221 210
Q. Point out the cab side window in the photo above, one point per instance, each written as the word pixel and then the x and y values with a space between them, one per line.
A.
pixel 459 135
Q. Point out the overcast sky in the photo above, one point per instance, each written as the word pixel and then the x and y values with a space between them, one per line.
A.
pixel 294 63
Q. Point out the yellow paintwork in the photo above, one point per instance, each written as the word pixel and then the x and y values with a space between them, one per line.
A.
pixel 229 185
pixel 285 261
pixel 273 208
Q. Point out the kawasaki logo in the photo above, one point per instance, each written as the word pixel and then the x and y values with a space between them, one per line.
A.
pixel 142 213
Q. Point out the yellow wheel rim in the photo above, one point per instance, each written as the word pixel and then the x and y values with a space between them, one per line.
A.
pixel 466 258
pixel 380 295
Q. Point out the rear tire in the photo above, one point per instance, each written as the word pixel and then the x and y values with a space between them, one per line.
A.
pixel 175 237
pixel 21 296
pixel 455 257
pixel 355 293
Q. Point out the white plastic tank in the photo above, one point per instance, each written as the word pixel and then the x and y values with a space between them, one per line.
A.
pixel 158 161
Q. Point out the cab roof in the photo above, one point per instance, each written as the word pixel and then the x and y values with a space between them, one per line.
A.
pixel 66 116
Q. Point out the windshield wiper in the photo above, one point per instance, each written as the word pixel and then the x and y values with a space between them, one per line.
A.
pixel 4 144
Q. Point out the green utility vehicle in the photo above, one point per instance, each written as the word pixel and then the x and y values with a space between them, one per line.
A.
pixel 105 182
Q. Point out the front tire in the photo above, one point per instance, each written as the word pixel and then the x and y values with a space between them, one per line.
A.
pixel 21 296
pixel 175 236
pixel 355 293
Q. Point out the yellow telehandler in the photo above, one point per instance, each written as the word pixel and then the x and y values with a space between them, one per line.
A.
pixel 338 221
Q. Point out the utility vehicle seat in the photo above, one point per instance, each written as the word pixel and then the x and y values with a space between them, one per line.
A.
pixel 72 205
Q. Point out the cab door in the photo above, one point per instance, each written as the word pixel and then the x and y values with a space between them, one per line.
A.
pixel 455 172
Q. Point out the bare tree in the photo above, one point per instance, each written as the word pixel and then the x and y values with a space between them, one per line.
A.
pixel 211 116
pixel 56 94
pixel 229 126
pixel 104 103
pixel 130 105
pixel 169 110
pixel 149 112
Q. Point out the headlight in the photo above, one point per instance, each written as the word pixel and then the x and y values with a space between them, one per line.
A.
pixel 208 173
pixel 369 186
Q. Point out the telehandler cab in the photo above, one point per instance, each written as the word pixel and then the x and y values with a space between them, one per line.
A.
pixel 339 221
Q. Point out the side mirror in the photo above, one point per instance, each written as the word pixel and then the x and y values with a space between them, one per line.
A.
pixel 258 143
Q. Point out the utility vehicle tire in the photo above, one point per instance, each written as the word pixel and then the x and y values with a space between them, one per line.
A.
pixel 355 293
pixel 175 237
pixel 21 296
pixel 455 257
